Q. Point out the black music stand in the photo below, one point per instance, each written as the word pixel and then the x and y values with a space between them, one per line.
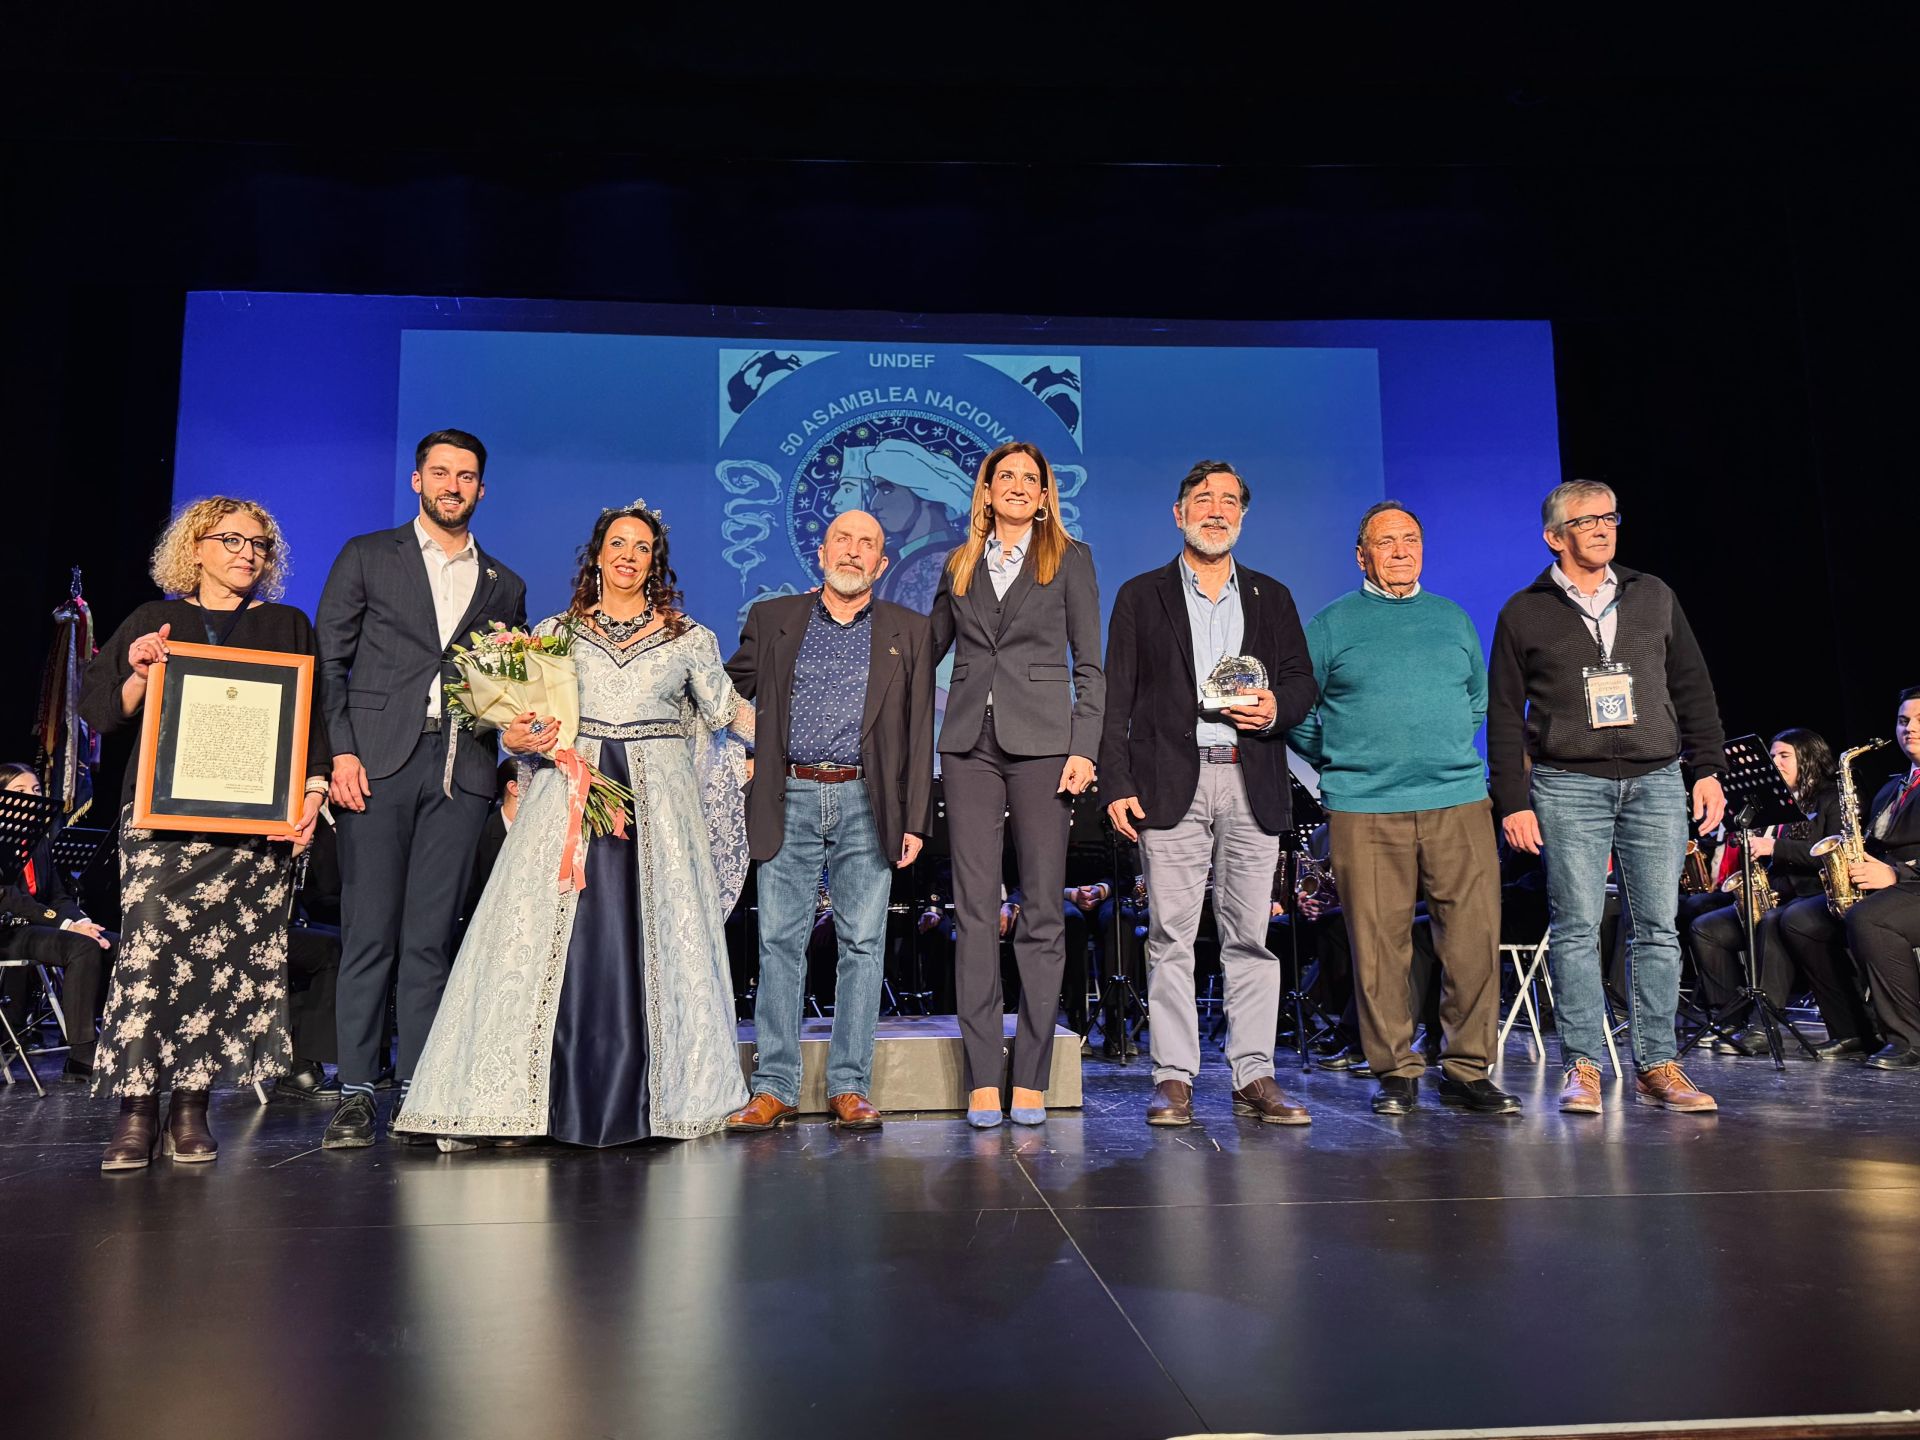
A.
pixel 24 822
pixel 1308 813
pixel 924 870
pixel 1120 999
pixel 78 848
pixel 1756 797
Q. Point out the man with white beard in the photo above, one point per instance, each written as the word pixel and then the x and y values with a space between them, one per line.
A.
pixel 842 689
pixel 1205 789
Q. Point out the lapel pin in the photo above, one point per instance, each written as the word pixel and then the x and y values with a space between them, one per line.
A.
pixel 893 650
pixel 493 574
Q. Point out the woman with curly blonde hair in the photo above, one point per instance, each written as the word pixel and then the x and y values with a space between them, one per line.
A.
pixel 200 988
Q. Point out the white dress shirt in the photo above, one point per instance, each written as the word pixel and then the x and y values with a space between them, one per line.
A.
pixel 1598 607
pixel 452 579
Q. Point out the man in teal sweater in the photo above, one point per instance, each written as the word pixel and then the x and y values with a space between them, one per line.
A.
pixel 1403 689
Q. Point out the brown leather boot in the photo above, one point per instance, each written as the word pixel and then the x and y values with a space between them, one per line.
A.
pixel 188 1140
pixel 134 1134
pixel 1580 1094
pixel 1172 1104
pixel 1667 1085
pixel 1266 1102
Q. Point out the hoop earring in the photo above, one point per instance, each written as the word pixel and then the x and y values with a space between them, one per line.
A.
pixel 1040 514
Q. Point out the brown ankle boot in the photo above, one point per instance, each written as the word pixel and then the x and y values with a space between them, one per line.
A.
pixel 134 1134
pixel 188 1139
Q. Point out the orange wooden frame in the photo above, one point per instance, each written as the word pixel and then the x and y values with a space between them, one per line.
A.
pixel 297 667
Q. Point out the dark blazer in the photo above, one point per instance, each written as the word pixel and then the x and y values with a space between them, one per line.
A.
pixel 380 645
pixel 1016 650
pixel 1901 847
pixel 49 902
pixel 896 729
pixel 1147 748
pixel 1793 871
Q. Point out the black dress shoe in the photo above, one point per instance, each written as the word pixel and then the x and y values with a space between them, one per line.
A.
pixel 351 1127
pixel 1749 1042
pixel 307 1080
pixel 1336 1052
pixel 1893 1056
pixel 1481 1096
pixel 76 1073
pixel 1397 1095
pixel 1834 1049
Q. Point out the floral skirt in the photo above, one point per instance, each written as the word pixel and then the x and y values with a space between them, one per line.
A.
pixel 199 990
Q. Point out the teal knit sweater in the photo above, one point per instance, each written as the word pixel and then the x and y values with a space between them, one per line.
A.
pixel 1403 689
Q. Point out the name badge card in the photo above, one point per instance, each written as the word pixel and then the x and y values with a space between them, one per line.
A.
pixel 1609 695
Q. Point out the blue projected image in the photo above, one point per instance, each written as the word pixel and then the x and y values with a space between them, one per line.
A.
pixel 751 430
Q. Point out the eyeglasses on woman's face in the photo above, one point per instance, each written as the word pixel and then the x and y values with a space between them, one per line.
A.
pixel 233 542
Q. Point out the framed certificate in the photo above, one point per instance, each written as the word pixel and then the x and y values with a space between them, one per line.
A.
pixel 223 743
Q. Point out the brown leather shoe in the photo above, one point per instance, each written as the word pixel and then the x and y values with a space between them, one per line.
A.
pixel 1172 1104
pixel 1667 1085
pixel 1580 1094
pixel 852 1112
pixel 1266 1102
pixel 188 1140
pixel 136 1133
pixel 763 1112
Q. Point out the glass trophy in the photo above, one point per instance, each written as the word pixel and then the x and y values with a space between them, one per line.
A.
pixel 1228 686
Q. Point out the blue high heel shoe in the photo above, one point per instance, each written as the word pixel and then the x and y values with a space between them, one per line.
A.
pixel 983 1119
pixel 1028 1115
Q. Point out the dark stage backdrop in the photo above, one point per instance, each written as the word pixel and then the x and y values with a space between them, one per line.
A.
pixel 751 431
pixel 1704 227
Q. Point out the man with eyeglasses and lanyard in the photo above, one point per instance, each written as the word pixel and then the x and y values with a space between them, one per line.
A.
pixel 1597 679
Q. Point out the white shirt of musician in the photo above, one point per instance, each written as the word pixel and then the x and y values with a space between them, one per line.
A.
pixel 452 579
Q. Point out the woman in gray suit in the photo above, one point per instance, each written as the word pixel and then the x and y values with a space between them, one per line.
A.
pixel 1019 603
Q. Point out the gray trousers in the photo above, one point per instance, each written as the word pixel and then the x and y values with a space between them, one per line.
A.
pixel 1218 830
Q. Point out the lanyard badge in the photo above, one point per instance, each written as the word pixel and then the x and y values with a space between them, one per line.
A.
pixel 1609 689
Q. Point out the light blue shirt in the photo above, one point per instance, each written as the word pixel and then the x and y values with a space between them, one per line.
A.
pixel 1003 565
pixel 1218 627
pixel 1599 607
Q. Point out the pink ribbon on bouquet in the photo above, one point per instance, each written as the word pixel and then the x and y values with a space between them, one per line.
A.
pixel 573 859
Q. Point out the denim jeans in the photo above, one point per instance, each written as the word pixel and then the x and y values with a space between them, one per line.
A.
pixel 828 826
pixel 1642 824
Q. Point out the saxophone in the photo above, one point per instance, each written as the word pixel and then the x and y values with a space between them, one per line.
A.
pixel 1763 897
pixel 1837 852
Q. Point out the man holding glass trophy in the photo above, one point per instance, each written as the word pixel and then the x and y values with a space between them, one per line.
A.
pixel 1199 776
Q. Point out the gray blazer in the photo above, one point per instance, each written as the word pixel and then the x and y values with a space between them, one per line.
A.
pixel 380 645
pixel 1018 649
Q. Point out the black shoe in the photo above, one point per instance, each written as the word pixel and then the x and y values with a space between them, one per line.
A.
pixel 308 1080
pixel 1397 1095
pixel 1336 1052
pixel 1481 1096
pixel 1893 1056
pixel 75 1072
pixel 1834 1049
pixel 352 1125
pixel 1749 1042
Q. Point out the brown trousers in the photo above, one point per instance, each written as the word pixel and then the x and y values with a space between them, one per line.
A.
pixel 1382 864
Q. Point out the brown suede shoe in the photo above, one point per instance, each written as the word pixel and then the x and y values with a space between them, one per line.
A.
pixel 1172 1104
pixel 1266 1102
pixel 1667 1085
pixel 763 1112
pixel 1580 1094
pixel 852 1112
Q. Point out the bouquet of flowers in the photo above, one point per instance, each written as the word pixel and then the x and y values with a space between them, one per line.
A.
pixel 504 674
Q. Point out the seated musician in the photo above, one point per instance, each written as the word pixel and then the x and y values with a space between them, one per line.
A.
pixel 1783 856
pixel 1882 926
pixel 41 920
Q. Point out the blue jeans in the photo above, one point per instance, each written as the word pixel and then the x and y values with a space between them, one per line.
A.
pixel 1642 824
pixel 830 827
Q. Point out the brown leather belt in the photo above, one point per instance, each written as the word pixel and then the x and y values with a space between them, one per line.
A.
pixel 825 774
pixel 1219 754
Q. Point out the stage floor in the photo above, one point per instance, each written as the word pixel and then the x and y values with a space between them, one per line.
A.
pixel 1095 1278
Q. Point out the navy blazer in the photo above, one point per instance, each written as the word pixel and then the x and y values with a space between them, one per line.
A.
pixel 1153 697
pixel 1017 649
pixel 896 727
pixel 380 646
